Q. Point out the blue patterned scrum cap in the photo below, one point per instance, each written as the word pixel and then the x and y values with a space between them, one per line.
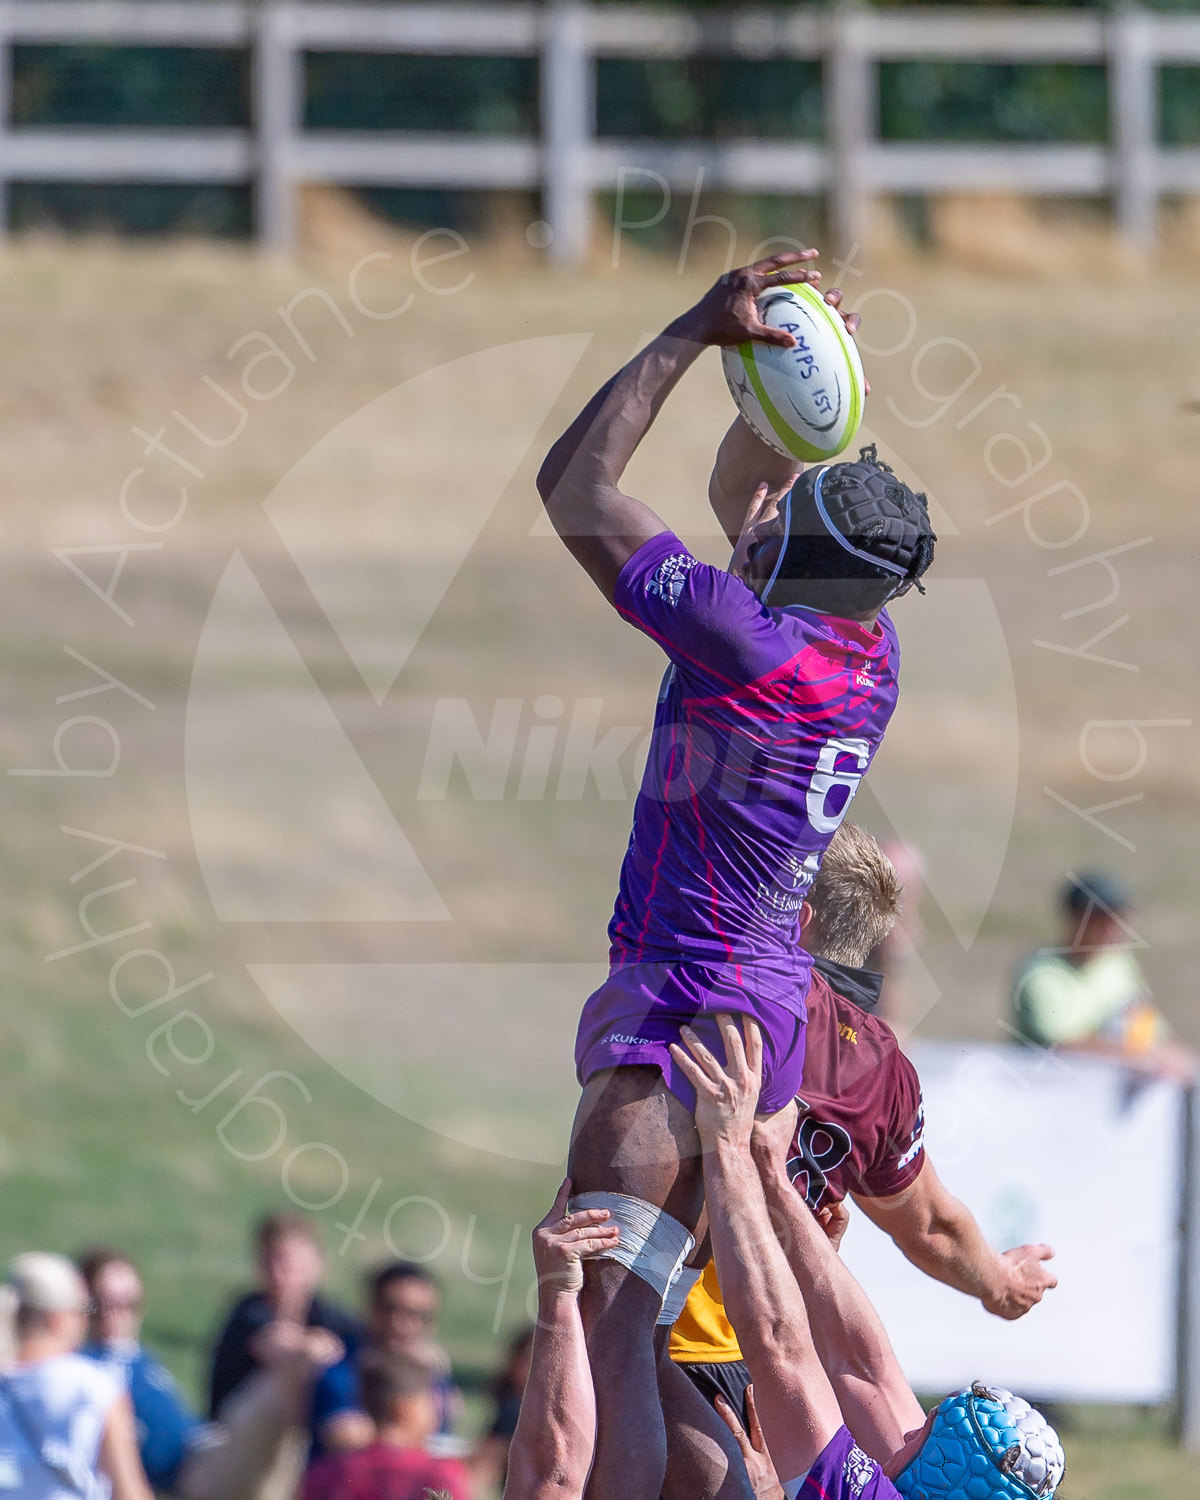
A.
pixel 985 1444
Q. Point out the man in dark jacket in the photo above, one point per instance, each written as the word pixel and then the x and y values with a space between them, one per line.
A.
pixel 290 1266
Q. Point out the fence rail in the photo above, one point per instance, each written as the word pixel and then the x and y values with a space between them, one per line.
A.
pixel 567 161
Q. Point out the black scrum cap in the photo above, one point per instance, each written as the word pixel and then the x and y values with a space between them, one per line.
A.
pixel 857 521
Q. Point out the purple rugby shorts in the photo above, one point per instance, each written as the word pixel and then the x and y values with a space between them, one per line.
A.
pixel 636 1014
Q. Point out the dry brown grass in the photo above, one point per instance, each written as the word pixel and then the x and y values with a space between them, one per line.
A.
pixel 98 338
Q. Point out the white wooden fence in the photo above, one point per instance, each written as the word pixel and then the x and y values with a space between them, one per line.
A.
pixel 567 161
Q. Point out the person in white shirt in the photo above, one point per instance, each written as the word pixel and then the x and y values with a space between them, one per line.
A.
pixel 66 1424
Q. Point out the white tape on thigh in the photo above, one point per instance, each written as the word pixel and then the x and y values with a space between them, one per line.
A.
pixel 653 1245
pixel 677 1294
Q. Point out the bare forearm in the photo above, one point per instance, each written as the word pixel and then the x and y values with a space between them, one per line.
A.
pixel 952 1250
pixel 596 448
pixel 579 481
pixel 938 1233
pixel 761 1294
pixel 940 1236
pixel 875 1399
pixel 254 1424
pixel 796 1402
pixel 846 1328
pixel 744 462
pixel 552 1447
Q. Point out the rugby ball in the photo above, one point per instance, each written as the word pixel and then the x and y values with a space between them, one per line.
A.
pixel 804 402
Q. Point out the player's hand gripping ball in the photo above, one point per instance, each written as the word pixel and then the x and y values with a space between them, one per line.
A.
pixel 804 402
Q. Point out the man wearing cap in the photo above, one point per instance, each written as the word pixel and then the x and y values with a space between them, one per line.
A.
pixel 1089 994
pixel 782 677
pixel 839 1419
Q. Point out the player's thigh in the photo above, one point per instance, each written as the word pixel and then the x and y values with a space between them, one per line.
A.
pixel 702 1454
pixel 631 1135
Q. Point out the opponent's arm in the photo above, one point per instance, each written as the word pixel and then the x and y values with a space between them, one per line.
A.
pixel 796 1402
pixel 854 1349
pixel 939 1235
pixel 579 481
pixel 552 1448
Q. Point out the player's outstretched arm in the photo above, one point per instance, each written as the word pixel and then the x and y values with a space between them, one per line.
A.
pixel 796 1402
pixel 579 481
pixel 877 1401
pixel 940 1235
pixel 552 1448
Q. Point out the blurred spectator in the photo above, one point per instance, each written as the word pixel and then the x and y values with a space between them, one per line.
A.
pixel 290 1267
pixel 398 1395
pixel 66 1424
pixel 180 1453
pixel 167 1428
pixel 404 1301
pixel 1089 995
pixel 489 1462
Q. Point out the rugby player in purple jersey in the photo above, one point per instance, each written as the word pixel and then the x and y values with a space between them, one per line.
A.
pixel 782 678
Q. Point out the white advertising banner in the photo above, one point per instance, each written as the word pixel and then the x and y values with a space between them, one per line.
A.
pixel 1074 1153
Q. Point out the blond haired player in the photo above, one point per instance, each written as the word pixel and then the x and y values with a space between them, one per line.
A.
pixel 860 1127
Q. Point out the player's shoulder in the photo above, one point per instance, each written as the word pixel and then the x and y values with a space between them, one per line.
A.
pixel 664 570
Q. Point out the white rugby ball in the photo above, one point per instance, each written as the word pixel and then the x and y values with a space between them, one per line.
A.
pixel 804 402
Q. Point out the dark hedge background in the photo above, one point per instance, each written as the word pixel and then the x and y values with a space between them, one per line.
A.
pixel 706 97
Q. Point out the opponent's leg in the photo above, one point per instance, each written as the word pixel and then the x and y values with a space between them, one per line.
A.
pixel 632 1137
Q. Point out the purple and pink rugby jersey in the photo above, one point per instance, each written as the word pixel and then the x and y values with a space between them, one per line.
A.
pixel 766 723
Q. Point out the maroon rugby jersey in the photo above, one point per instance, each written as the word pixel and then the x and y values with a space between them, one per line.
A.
pixel 861 1124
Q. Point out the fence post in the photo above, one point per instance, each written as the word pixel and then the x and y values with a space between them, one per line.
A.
pixel 6 63
pixel 278 94
pixel 568 109
pixel 1133 124
pixel 1187 1388
pixel 851 123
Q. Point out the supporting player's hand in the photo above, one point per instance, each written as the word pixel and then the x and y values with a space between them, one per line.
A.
pixel 726 1097
pixel 563 1241
pixel 728 312
pixel 1025 1279
pixel 763 1479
